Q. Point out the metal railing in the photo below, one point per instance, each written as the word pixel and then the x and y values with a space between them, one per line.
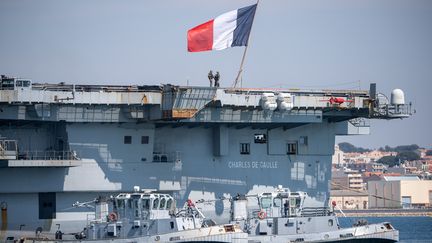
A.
pixel 315 211
pixel 390 111
pixel 48 155
pixel 8 145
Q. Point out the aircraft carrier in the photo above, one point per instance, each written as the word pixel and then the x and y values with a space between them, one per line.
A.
pixel 62 143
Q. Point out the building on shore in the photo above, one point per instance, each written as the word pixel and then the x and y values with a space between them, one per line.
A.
pixel 400 192
pixel 347 179
pixel 350 199
pixel 375 167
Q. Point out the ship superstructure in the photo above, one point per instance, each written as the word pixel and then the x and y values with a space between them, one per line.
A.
pixel 61 143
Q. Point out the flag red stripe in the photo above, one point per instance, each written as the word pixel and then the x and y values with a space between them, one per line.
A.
pixel 200 38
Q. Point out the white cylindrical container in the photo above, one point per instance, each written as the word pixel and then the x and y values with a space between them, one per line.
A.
pixel 397 97
pixel 268 101
pixel 284 101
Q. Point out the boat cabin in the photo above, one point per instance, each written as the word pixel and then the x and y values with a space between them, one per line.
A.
pixel 143 206
pixel 7 83
pixel 281 203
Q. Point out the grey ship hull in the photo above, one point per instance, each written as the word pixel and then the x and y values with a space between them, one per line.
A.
pixel 334 236
pixel 109 166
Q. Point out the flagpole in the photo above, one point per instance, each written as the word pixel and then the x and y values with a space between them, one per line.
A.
pixel 243 58
pixel 241 67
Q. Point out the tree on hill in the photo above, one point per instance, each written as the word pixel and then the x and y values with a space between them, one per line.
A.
pixel 408 155
pixel 400 148
pixel 429 152
pixel 389 160
pixel 401 157
pixel 405 148
pixel 349 148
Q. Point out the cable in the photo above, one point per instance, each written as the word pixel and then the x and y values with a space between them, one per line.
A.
pixel 376 196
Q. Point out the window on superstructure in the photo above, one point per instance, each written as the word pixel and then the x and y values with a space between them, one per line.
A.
pixel 169 203
pixel 120 203
pixel 156 203
pixel 8 83
pixel 292 148
pixel 127 139
pixel 277 202
pixel 146 204
pixel 144 139
pixel 266 202
pixel 162 203
pixel 244 148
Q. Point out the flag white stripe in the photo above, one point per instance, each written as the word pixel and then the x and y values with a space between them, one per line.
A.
pixel 223 30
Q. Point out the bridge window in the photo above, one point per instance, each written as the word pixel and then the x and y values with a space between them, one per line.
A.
pixel 156 203
pixel 244 148
pixel 22 83
pixel 292 148
pixel 146 204
pixel 266 202
pixel 129 203
pixel 127 139
pixel 120 204
pixel 277 202
pixel 169 202
pixel 162 203
pixel 8 83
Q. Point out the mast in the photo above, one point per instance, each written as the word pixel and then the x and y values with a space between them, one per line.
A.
pixel 243 58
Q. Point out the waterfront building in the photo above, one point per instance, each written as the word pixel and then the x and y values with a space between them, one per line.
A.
pixel 400 191
pixel 349 199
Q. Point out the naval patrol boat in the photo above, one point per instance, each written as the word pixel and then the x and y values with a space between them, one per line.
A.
pixel 62 143
pixel 285 216
pixel 143 216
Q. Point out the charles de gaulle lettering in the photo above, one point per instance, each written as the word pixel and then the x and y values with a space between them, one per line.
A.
pixel 252 164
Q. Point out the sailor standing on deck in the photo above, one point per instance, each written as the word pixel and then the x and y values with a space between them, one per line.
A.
pixel 286 206
pixel 216 79
pixel 210 77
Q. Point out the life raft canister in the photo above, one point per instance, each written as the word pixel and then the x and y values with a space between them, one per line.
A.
pixel 112 216
pixel 262 215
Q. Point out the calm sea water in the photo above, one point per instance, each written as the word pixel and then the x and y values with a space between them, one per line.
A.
pixel 411 229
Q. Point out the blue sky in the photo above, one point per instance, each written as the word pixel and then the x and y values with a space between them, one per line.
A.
pixel 340 44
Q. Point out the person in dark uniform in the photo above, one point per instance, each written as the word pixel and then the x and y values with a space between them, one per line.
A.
pixel 210 77
pixel 216 79
pixel 286 206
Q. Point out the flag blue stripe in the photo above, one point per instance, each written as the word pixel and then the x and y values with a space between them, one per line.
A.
pixel 245 18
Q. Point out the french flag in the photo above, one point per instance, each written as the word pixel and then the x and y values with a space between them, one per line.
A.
pixel 227 30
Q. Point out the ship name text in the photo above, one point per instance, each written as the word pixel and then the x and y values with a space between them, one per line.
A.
pixel 252 164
